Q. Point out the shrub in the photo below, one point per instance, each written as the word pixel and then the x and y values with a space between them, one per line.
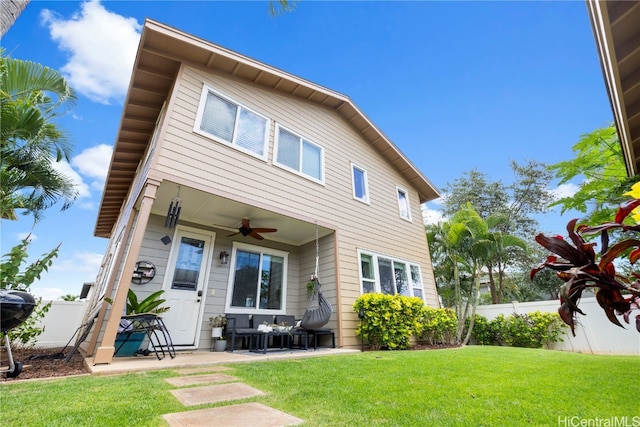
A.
pixel 532 330
pixel 439 325
pixel 389 320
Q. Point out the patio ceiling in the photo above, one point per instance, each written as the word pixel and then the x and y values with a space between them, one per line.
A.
pixel 161 52
pixel 616 27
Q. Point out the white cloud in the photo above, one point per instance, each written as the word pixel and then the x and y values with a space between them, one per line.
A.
pixel 101 46
pixel 431 216
pixel 94 162
pixel 66 169
pixel 80 262
pixel 564 190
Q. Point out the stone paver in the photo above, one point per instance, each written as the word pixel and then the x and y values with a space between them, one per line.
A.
pixel 199 379
pixel 202 370
pixel 241 415
pixel 215 393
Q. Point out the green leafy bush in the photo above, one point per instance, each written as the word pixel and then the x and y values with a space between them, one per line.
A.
pixel 532 330
pixel 12 278
pixel 389 320
pixel 439 325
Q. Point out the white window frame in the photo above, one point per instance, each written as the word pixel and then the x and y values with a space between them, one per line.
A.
pixel 232 272
pixel 290 169
pixel 198 123
pixel 404 191
pixel 365 180
pixel 377 286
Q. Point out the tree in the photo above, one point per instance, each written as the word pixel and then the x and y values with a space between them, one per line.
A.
pixel 69 297
pixel 31 97
pixel 599 161
pixel 11 277
pixel 466 243
pixel 512 204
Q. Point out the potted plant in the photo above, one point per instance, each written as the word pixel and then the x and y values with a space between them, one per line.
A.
pixel 220 344
pixel 128 342
pixel 217 324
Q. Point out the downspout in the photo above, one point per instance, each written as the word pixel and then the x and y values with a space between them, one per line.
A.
pixel 104 353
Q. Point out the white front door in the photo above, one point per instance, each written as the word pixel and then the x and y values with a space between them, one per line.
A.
pixel 185 281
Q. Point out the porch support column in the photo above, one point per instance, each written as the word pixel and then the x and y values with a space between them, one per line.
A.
pixel 338 293
pixel 104 353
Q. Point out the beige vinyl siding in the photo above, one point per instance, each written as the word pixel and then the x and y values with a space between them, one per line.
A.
pixel 376 227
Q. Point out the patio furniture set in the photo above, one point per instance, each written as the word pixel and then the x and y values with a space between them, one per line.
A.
pixel 257 333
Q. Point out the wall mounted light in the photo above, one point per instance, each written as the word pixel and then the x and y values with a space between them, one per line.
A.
pixel 224 257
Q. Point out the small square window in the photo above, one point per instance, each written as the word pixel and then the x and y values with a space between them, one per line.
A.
pixel 299 155
pixel 360 184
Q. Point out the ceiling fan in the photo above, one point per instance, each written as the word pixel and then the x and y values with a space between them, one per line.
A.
pixel 246 230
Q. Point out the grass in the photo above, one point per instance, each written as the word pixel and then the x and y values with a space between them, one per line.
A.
pixel 480 386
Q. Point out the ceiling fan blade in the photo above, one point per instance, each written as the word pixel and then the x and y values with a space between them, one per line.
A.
pixel 231 235
pixel 265 230
pixel 256 235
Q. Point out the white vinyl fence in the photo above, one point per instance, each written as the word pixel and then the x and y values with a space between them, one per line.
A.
pixel 60 323
pixel 594 332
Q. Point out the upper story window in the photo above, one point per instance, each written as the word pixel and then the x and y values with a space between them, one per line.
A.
pixel 386 275
pixel 403 203
pixel 229 122
pixel 360 184
pixel 299 155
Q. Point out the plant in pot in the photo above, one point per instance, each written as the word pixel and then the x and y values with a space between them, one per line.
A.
pixel 128 342
pixel 219 344
pixel 217 324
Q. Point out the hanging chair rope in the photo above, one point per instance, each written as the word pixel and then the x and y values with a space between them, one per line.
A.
pixel 319 310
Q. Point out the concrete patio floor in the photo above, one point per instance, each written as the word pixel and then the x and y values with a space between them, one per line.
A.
pixel 198 359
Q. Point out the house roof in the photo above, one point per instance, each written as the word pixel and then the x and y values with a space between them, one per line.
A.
pixel 161 51
pixel 616 28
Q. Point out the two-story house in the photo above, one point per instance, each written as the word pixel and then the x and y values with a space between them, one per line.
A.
pixel 231 141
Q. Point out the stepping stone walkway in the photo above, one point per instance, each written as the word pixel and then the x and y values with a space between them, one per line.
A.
pixel 241 415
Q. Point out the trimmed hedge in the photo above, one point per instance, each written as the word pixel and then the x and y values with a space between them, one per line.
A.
pixel 533 330
pixel 390 321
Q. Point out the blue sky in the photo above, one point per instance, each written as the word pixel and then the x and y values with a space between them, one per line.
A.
pixel 455 85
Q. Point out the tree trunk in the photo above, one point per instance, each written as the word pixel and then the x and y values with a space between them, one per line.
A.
pixel 475 297
pixel 9 12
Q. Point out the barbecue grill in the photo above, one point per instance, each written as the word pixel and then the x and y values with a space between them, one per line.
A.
pixel 15 308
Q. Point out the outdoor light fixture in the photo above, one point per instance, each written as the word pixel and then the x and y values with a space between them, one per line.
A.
pixel 174 211
pixel 224 257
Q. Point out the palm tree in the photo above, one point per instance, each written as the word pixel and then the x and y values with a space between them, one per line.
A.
pixel 466 243
pixel 31 96
pixel 9 12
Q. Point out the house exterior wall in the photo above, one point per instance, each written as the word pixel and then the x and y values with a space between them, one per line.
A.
pixel 376 226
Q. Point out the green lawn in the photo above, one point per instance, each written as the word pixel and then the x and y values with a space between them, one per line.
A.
pixel 471 386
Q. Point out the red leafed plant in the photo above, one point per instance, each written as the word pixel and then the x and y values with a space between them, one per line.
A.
pixel 580 267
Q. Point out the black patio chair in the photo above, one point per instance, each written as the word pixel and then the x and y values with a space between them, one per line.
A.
pixel 238 326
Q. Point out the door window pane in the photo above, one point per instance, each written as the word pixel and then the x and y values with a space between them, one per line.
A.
pixel 185 276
